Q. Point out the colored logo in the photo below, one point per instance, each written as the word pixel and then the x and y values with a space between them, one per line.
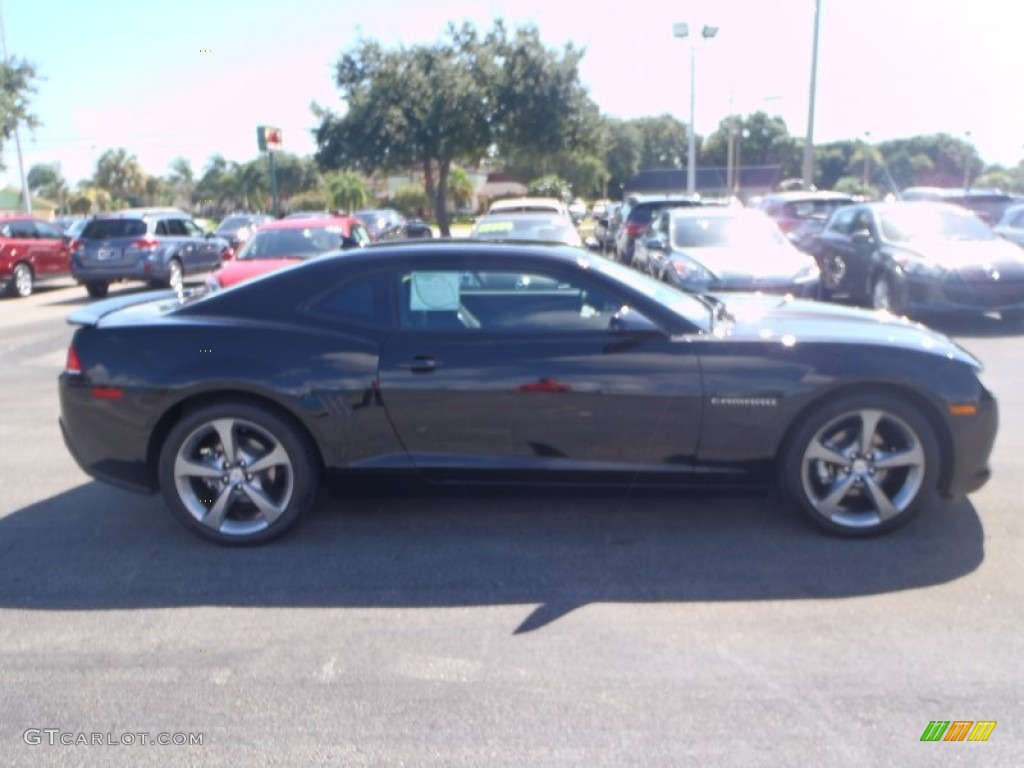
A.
pixel 958 730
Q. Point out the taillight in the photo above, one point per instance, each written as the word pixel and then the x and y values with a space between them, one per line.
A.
pixel 633 228
pixel 227 254
pixel 73 364
pixel 145 243
pixel 76 245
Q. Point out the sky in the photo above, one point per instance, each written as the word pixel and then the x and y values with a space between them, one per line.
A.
pixel 191 79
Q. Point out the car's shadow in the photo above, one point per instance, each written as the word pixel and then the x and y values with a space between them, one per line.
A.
pixel 403 545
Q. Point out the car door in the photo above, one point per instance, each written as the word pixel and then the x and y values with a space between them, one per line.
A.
pixel 836 250
pixel 517 368
pixel 206 249
pixel 51 253
pixel 173 232
pixel 863 254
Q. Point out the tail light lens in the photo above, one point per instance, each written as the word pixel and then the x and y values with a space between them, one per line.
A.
pixel 76 245
pixel 145 243
pixel 73 364
pixel 634 228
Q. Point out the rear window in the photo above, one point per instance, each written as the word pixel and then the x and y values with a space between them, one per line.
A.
pixel 813 209
pixel 101 229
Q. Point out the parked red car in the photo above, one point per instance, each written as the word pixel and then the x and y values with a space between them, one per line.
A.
pixel 288 241
pixel 30 251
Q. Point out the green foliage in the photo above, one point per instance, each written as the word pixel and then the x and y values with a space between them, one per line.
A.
pixel 410 199
pixel 346 191
pixel 310 200
pixel 663 142
pixel 931 160
pixel 460 188
pixel 17 83
pixel 550 186
pixel 427 106
pixel 758 138
pixel 854 185
pixel 120 174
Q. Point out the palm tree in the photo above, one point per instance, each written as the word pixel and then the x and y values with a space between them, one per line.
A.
pixel 348 191
pixel 119 173
pixel 182 179
pixel 47 181
pixel 460 188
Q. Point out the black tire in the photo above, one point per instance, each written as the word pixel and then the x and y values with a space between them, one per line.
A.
pixel 21 281
pixel 97 288
pixel 836 479
pixel 211 490
pixel 885 295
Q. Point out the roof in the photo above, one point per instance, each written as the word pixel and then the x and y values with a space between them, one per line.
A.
pixel 313 221
pixel 804 194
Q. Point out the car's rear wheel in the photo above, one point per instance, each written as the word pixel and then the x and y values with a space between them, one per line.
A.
pixel 21 280
pixel 97 288
pixel 236 473
pixel 175 275
pixel 861 465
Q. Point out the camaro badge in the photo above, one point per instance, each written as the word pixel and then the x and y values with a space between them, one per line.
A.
pixel 764 402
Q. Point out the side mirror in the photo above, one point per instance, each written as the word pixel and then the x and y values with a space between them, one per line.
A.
pixel 862 239
pixel 628 320
pixel 654 244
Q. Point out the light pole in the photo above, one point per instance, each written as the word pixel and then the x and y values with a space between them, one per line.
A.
pixel 682 29
pixel 967 162
pixel 808 167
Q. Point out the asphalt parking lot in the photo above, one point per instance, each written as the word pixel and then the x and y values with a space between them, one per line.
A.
pixel 400 625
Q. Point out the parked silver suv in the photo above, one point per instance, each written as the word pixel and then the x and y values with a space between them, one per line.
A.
pixel 160 246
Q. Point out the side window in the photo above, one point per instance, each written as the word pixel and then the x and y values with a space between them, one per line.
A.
pixel 161 228
pixel 862 223
pixel 502 301
pixel 361 236
pixel 177 228
pixel 23 229
pixel 842 221
pixel 47 231
pixel 192 229
pixel 364 300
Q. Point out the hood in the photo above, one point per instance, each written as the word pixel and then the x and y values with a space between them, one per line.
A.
pixel 792 321
pixel 758 261
pixel 958 254
pixel 239 271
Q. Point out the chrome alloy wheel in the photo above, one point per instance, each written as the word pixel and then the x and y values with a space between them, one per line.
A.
pixel 22 280
pixel 863 469
pixel 233 476
pixel 176 277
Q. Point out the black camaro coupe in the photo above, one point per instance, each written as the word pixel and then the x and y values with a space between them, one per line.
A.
pixel 471 361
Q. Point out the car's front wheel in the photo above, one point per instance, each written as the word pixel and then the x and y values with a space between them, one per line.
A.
pixel 861 465
pixel 885 295
pixel 236 473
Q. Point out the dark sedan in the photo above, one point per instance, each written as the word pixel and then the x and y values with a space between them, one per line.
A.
pixel 913 257
pixel 462 360
pixel 724 249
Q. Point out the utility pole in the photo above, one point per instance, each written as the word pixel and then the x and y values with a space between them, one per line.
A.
pixel 25 196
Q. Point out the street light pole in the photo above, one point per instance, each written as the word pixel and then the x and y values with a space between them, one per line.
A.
pixel 682 29
pixel 26 197
pixel 808 167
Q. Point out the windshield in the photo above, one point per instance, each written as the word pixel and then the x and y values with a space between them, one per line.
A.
pixel 918 222
pixel 233 223
pixel 724 231
pixel 292 243
pixel 683 304
pixel 553 229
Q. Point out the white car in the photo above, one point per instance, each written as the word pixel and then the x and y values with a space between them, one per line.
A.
pixel 529 205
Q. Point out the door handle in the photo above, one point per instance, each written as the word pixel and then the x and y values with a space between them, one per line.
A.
pixel 420 364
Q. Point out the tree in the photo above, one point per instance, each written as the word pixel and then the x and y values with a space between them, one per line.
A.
pixel 550 186
pixel 410 199
pixel 759 139
pixel 120 174
pixel 182 179
pixel 347 191
pixel 429 106
pixel 460 188
pixel 47 181
pixel 663 142
pixel 16 85
pixel 622 148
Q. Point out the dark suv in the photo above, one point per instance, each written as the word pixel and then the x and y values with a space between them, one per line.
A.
pixel 159 246
pixel 634 216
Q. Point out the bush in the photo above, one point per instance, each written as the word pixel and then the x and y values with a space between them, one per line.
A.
pixel 410 200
